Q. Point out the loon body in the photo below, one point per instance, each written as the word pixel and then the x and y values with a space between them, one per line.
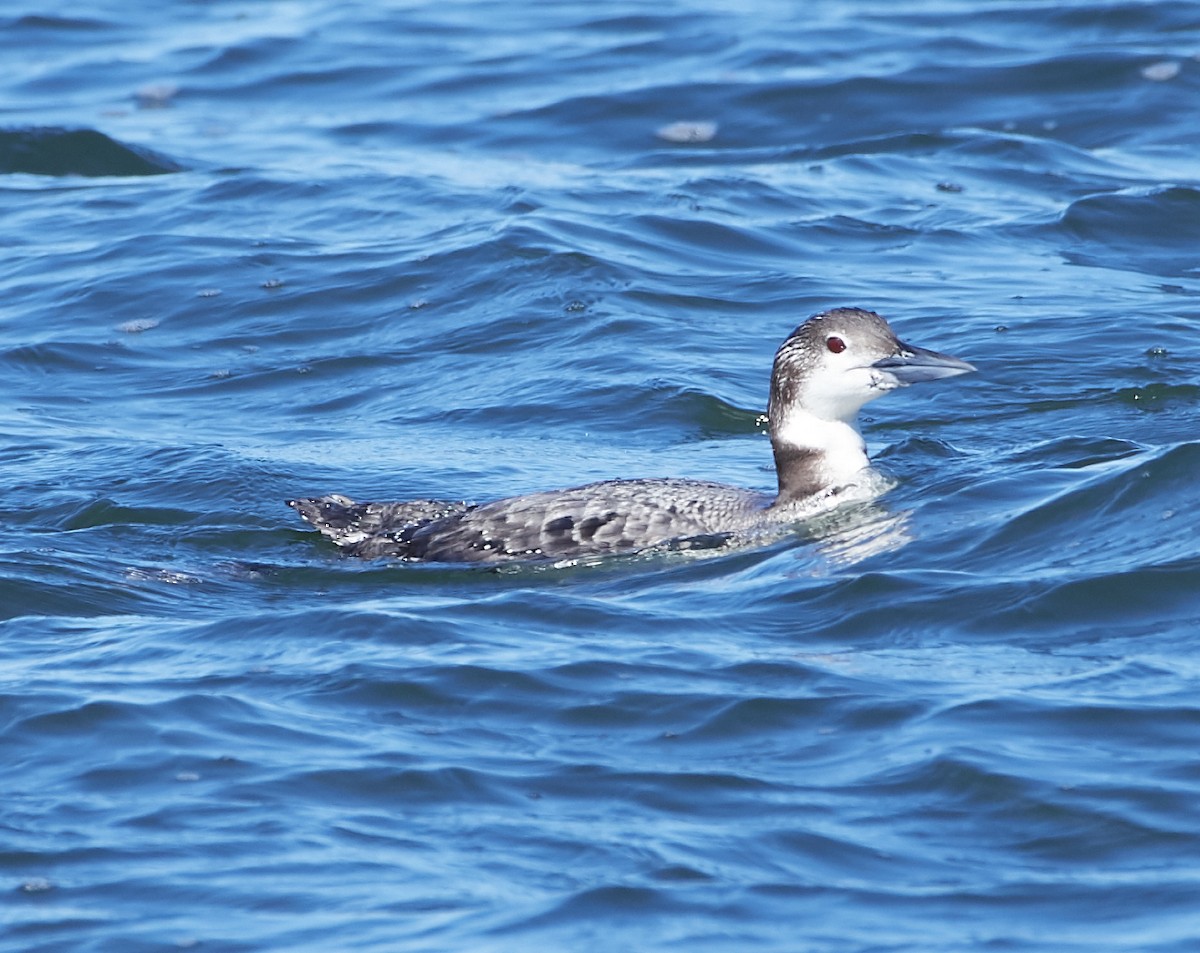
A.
pixel 824 372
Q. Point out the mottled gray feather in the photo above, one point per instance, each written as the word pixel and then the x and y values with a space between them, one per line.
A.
pixel 596 519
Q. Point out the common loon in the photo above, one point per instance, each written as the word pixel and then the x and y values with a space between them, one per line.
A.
pixel 823 374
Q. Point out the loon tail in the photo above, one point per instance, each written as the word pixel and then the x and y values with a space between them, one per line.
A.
pixel 372 529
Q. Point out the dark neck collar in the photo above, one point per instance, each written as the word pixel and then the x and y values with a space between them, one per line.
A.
pixel 798 470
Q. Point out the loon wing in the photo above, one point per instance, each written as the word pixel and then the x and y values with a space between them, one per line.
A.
pixel 616 516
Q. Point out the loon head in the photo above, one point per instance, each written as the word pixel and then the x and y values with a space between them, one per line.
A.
pixel 824 373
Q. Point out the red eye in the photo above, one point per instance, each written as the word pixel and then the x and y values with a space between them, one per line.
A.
pixel 835 344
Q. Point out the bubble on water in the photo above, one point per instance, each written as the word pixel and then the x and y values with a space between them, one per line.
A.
pixel 687 132
pixel 137 325
pixel 1162 71
pixel 156 95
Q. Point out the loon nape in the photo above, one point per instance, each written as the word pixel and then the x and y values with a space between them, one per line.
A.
pixel 823 374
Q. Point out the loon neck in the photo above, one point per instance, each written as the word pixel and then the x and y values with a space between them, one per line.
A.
pixel 813 455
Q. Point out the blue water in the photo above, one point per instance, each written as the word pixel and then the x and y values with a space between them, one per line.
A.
pixel 254 250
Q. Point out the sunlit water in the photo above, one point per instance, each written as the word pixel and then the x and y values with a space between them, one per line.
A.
pixel 254 250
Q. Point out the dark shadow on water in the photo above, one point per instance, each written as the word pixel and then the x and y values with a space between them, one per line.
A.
pixel 47 150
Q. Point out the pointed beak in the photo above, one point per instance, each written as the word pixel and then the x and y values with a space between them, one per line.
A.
pixel 913 365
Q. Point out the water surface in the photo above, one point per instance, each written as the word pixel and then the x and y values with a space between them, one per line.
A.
pixel 260 249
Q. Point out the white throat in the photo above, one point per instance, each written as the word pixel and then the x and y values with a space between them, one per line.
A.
pixel 835 448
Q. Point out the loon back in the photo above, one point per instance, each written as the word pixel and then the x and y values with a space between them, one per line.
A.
pixel 824 373
pixel 597 519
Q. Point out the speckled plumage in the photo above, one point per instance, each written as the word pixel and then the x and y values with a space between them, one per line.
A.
pixel 596 519
pixel 822 375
